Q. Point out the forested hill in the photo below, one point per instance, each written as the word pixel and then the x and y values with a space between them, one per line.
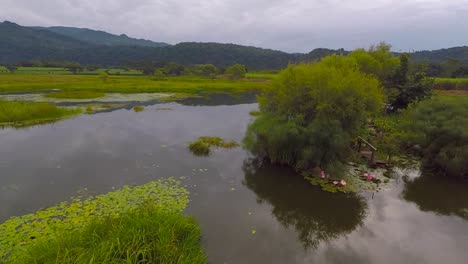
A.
pixel 102 38
pixel 18 43
pixel 438 56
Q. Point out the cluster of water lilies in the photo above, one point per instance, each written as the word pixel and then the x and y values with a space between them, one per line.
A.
pixel 369 176
pixel 327 176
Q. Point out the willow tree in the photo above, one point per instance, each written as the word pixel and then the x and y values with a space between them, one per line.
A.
pixel 313 112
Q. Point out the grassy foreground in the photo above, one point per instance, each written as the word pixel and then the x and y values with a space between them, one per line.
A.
pixel 28 113
pixel 142 224
pixel 146 235
pixel 126 84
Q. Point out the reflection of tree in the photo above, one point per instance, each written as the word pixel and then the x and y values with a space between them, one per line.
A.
pixel 438 194
pixel 220 99
pixel 316 215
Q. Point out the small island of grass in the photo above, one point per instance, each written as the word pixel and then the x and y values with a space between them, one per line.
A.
pixel 17 113
pixel 138 108
pixel 75 95
pixel 201 147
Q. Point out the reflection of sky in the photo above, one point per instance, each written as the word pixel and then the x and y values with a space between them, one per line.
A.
pixel 49 163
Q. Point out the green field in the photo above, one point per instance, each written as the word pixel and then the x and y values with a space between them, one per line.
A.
pixel 451 84
pixel 125 84
pixel 64 71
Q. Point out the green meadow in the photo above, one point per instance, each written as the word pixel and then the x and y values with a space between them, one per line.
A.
pixel 126 84
pixel 451 84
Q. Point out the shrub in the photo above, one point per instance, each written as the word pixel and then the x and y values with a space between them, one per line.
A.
pixel 236 71
pixel 440 128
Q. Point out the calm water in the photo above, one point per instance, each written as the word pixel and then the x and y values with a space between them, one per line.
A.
pixel 419 220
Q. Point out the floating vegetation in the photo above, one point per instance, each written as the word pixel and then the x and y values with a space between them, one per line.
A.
pixel 138 108
pixel 201 147
pixel 358 178
pixel 75 95
pixel 255 113
pixel 330 185
pixel 19 232
pixel 20 114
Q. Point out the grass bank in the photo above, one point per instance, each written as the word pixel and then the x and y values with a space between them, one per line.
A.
pixel 142 224
pixel 14 113
pixel 126 84
pixel 76 95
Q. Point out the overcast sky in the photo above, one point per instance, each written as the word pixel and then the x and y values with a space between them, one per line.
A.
pixel 288 25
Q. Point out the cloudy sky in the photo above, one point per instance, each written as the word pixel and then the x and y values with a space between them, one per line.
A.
pixel 288 25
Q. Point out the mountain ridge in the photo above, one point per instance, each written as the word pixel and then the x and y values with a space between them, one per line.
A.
pixel 18 43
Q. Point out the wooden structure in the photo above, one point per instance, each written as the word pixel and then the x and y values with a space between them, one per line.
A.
pixel 366 154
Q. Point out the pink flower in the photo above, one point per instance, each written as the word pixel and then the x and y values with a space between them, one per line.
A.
pixel 365 174
pixel 343 182
pixel 335 182
pixel 370 177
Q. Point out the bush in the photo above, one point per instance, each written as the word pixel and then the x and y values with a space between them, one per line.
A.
pixel 236 71
pixel 440 128
pixel 313 112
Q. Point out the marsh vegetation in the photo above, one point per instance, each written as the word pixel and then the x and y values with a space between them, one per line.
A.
pixel 202 146
pixel 27 113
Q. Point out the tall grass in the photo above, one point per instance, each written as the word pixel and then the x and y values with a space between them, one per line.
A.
pixel 145 235
pixel 22 113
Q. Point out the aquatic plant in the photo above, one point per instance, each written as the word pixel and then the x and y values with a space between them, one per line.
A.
pixel 75 95
pixel 201 147
pixel 138 108
pixel 18 232
pixel 144 235
pixel 255 113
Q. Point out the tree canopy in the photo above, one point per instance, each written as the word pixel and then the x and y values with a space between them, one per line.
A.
pixel 440 128
pixel 312 112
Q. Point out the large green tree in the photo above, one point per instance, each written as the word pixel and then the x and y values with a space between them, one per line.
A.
pixel 312 113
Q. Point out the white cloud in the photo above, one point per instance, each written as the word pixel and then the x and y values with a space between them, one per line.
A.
pixel 291 25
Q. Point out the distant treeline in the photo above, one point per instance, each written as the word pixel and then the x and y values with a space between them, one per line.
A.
pixel 19 43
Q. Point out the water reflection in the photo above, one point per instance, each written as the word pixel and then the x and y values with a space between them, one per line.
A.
pixel 220 99
pixel 316 216
pixel 438 194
